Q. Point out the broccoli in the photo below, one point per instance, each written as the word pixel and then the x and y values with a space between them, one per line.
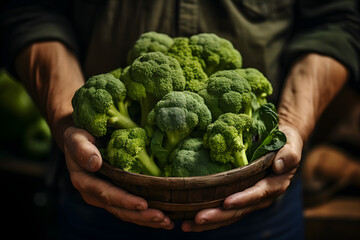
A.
pixel 149 42
pixel 190 158
pixel 265 131
pixel 116 72
pixel 149 78
pixel 177 115
pixel 215 52
pixel 191 66
pixel 227 138
pixel 101 104
pixel 260 85
pixel 226 91
pixel 127 150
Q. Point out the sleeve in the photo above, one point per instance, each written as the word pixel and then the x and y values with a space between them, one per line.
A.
pixel 330 28
pixel 22 25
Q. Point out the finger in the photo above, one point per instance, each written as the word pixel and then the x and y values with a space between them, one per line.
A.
pixel 218 217
pixel 288 157
pixel 267 188
pixel 80 148
pixel 150 217
pixel 101 193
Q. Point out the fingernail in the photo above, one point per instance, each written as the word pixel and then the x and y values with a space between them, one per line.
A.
pixel 203 221
pixel 163 224
pixel 140 207
pixel 93 162
pixel 229 207
pixel 279 165
pixel 157 220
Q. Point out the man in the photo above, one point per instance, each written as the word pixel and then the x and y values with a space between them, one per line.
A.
pixel 312 45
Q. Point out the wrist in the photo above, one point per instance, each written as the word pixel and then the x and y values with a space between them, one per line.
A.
pixel 312 83
pixel 51 74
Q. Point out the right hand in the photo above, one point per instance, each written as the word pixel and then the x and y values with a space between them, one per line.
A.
pixel 82 160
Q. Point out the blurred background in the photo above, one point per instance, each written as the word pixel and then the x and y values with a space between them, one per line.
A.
pixel 330 168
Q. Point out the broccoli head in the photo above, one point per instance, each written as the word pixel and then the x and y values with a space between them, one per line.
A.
pixel 101 104
pixel 227 138
pixel 127 150
pixel 149 42
pixel 260 85
pixel 190 158
pixel 176 115
pixel 116 72
pixel 226 91
pixel 191 66
pixel 150 77
pixel 216 53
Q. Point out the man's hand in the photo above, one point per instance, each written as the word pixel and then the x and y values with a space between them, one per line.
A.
pixel 261 195
pixel 52 74
pixel 82 159
pixel 312 83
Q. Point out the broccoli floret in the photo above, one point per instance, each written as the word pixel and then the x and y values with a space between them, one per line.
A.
pixel 191 66
pixel 176 115
pixel 215 52
pixel 226 91
pixel 149 42
pixel 260 85
pixel 101 104
pixel 150 77
pixel 228 137
pixel 190 158
pixel 116 72
pixel 127 150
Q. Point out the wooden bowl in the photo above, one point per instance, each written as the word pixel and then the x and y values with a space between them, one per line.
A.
pixel 183 197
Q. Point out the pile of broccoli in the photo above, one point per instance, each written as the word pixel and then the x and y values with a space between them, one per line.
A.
pixel 181 107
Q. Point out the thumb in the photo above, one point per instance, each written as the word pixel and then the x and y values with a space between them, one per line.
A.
pixel 79 148
pixel 288 157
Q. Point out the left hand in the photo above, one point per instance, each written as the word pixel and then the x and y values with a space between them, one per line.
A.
pixel 261 195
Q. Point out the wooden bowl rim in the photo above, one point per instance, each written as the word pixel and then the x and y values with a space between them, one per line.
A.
pixel 211 180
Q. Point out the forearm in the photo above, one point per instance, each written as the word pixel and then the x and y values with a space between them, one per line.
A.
pixel 51 74
pixel 310 86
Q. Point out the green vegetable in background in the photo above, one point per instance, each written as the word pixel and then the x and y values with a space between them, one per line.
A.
pixel 24 132
pixel 37 138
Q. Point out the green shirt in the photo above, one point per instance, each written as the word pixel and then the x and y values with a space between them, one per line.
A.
pixel 270 35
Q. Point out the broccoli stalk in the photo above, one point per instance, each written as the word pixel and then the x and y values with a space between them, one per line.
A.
pixel 127 150
pixel 240 158
pixel 176 136
pixel 119 117
pixel 228 137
